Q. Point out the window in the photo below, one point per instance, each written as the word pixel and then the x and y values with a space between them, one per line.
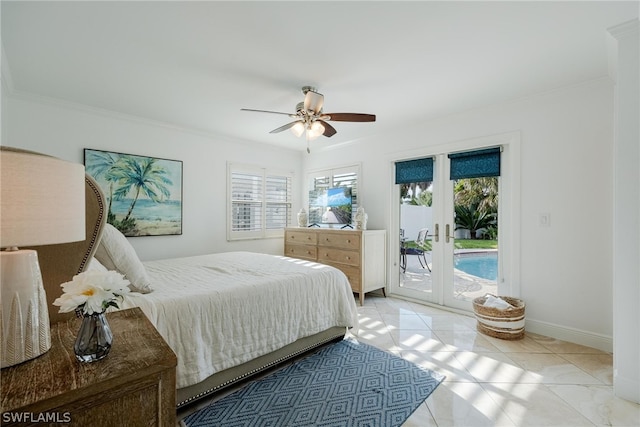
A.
pixel 341 177
pixel 259 202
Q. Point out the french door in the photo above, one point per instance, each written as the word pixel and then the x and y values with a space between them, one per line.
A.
pixel 463 218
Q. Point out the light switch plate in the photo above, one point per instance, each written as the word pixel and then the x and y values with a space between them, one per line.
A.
pixel 544 219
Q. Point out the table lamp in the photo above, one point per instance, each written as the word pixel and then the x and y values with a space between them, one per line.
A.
pixel 41 203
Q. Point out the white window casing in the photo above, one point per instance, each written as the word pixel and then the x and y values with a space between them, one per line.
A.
pixel 259 202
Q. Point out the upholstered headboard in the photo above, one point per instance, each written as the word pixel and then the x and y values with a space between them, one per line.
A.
pixel 59 263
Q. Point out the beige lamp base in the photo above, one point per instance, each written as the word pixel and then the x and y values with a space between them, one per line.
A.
pixel 25 330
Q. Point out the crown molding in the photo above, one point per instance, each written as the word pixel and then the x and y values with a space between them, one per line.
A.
pixel 103 112
pixel 626 29
pixel 97 111
pixel 619 34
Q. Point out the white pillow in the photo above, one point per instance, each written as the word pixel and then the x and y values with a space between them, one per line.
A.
pixel 95 265
pixel 116 253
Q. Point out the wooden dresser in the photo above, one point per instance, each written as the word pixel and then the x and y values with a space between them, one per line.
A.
pixel 134 385
pixel 360 254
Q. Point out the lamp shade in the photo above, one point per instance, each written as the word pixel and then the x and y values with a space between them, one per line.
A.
pixel 41 199
pixel 315 130
pixel 298 129
pixel 41 203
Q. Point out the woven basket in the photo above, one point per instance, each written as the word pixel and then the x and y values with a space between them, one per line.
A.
pixel 504 324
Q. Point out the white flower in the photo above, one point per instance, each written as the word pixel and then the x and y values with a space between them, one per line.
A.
pixel 92 292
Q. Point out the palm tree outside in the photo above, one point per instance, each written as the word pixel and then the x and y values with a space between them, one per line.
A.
pixel 479 192
pixel 476 205
pixel 473 219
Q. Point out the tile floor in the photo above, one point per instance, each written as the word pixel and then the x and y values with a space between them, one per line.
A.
pixel 537 381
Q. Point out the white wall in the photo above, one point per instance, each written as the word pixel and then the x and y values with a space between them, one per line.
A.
pixel 626 211
pixel 566 170
pixel 64 131
pixel 414 218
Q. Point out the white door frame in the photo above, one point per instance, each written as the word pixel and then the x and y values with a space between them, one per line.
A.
pixel 508 214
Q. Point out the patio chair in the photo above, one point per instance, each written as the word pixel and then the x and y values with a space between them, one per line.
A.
pixel 422 246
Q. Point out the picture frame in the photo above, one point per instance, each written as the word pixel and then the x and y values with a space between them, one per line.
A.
pixel 143 193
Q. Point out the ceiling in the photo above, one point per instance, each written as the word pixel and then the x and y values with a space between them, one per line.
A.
pixel 196 64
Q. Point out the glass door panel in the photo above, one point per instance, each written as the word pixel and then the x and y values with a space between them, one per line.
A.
pixel 416 240
pixel 473 230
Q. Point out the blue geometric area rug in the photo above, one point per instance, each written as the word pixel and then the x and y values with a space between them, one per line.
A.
pixel 344 384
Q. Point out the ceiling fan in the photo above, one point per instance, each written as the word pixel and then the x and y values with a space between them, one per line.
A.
pixel 311 120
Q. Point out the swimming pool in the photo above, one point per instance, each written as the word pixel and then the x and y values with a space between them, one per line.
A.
pixel 479 264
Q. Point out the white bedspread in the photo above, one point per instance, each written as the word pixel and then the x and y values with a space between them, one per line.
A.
pixel 220 310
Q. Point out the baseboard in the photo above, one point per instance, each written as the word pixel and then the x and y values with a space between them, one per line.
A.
pixel 626 388
pixel 577 336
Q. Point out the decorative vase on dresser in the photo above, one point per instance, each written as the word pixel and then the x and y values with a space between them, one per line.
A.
pixel 359 254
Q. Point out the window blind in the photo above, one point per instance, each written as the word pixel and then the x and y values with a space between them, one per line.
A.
pixel 417 170
pixel 320 181
pixel 260 202
pixel 278 201
pixel 349 179
pixel 475 164
pixel 246 201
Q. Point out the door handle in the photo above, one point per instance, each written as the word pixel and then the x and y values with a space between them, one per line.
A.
pixel 436 236
pixel 448 236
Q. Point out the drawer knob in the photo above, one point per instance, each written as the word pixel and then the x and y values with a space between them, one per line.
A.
pixel 348 240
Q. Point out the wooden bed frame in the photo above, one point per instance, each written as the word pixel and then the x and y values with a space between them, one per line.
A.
pixel 59 263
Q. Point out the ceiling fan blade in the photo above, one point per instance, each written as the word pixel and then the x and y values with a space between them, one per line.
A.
pixel 313 101
pixel 267 111
pixel 329 130
pixel 351 117
pixel 285 127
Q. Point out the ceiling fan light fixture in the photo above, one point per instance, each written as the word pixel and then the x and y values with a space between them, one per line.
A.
pixel 317 127
pixel 298 129
pixel 315 130
pixel 312 100
pixel 311 121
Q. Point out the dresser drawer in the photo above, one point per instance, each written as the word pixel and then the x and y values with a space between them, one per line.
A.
pixel 301 237
pixel 331 255
pixel 301 251
pixel 352 273
pixel 341 240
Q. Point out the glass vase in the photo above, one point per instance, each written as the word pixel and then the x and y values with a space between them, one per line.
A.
pixel 94 338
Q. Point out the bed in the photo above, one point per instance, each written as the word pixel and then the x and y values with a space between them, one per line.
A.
pixel 227 316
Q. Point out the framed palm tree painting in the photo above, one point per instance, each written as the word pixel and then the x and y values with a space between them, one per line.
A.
pixel 143 194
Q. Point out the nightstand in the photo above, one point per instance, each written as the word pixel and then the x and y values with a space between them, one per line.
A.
pixel 134 385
